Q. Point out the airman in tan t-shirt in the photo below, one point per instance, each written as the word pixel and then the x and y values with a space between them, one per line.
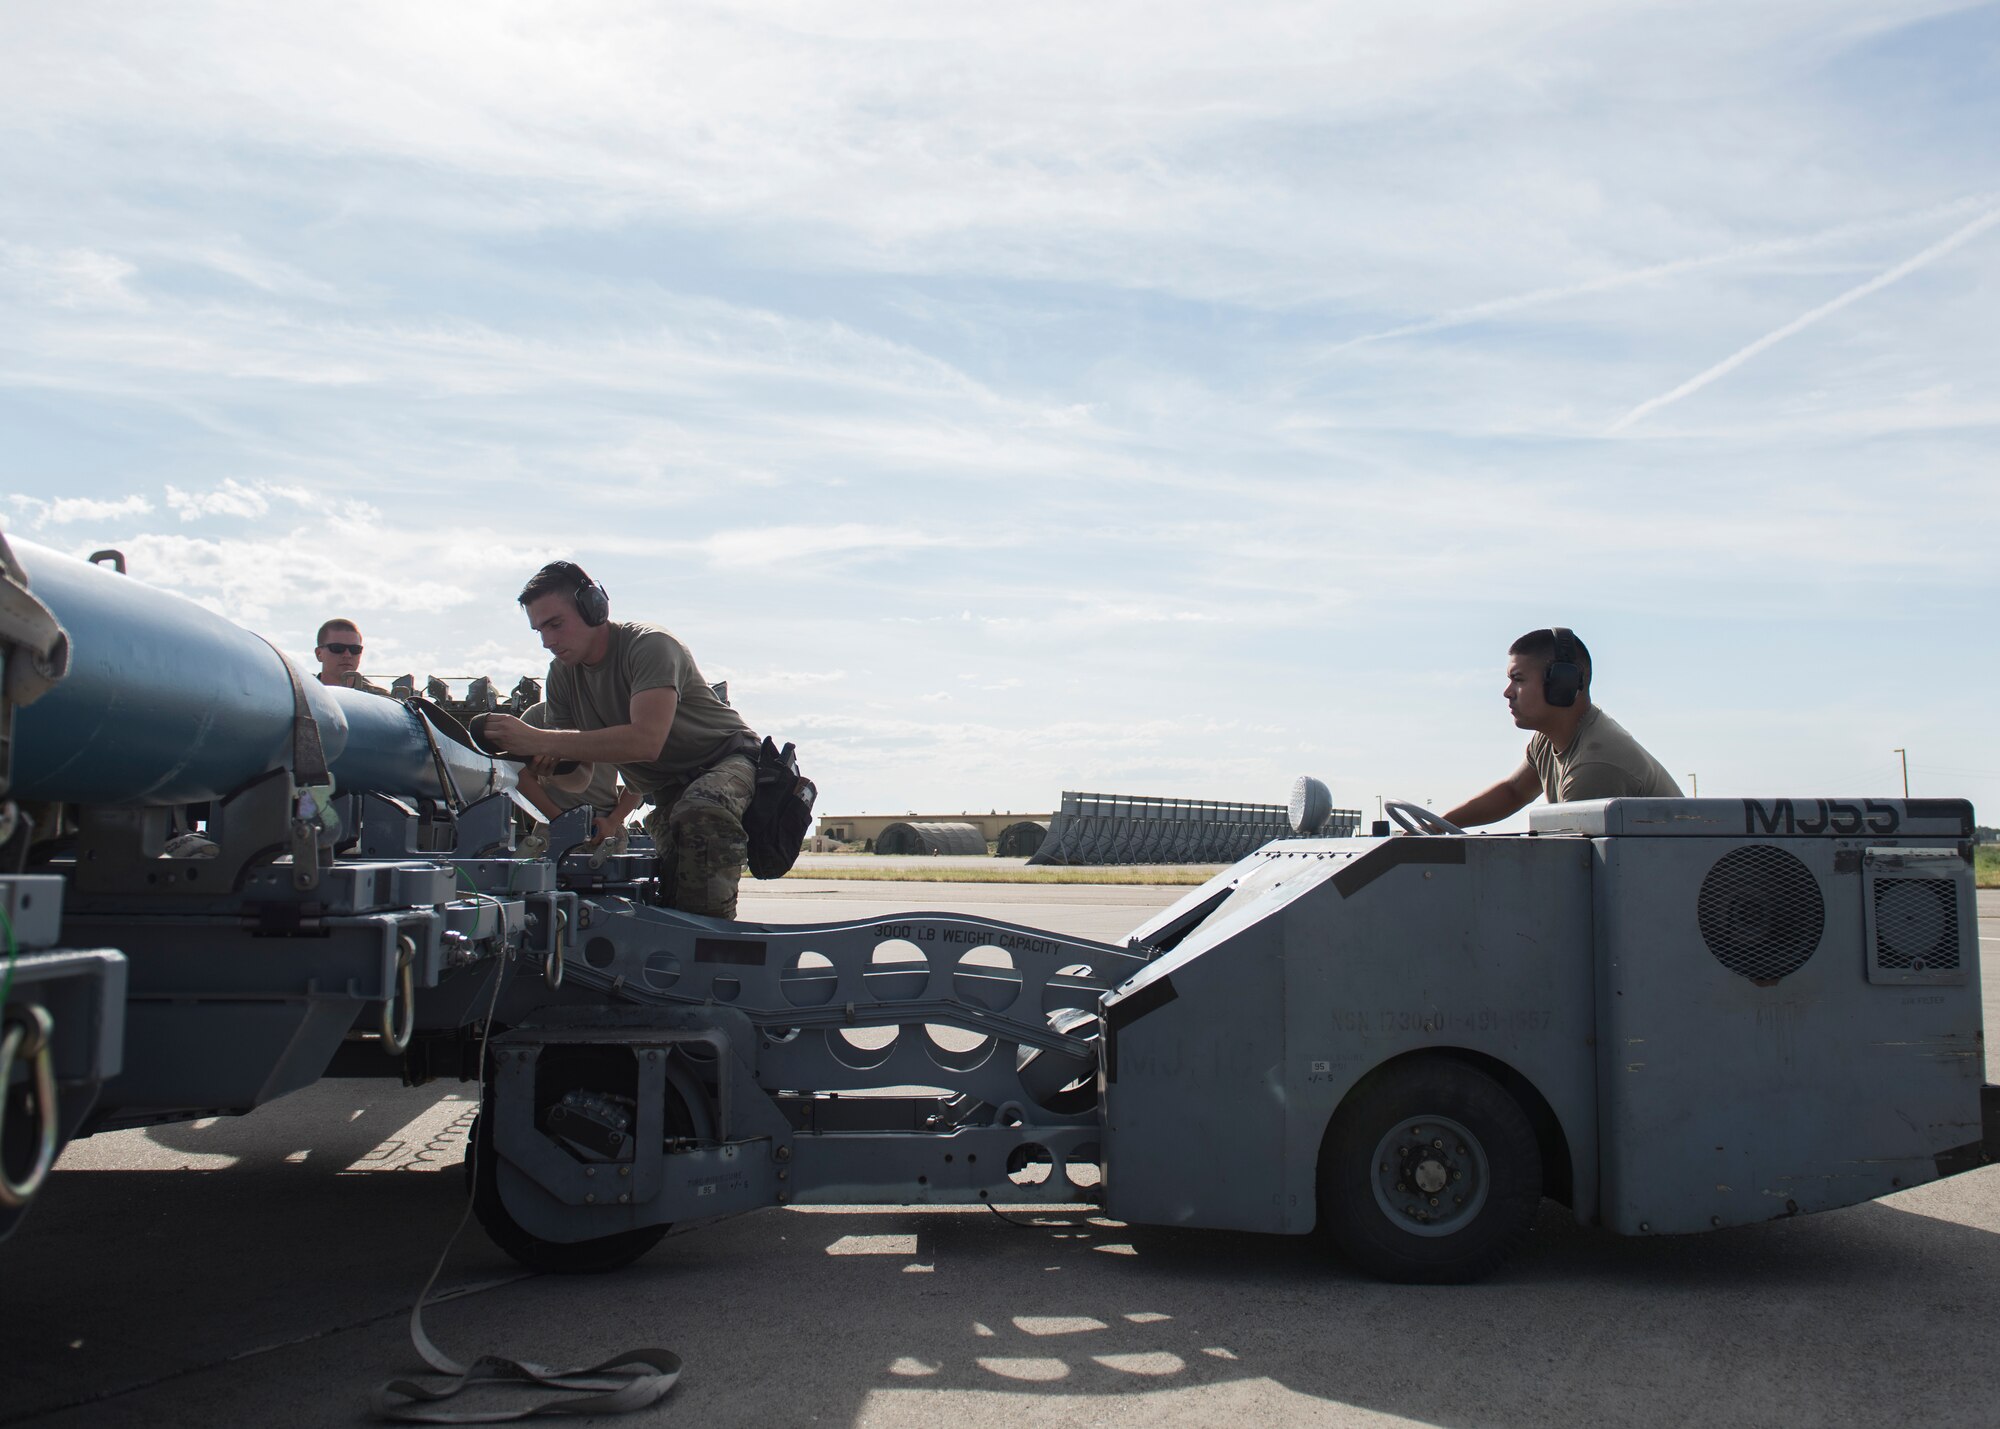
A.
pixel 628 694
pixel 1577 751
pixel 1601 761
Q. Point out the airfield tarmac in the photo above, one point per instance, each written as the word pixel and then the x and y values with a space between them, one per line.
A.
pixel 259 1270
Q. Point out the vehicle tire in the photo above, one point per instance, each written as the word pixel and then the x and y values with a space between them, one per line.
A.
pixel 584 1257
pixel 1430 1174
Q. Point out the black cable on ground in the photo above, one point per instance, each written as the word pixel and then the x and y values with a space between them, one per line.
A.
pixel 636 1379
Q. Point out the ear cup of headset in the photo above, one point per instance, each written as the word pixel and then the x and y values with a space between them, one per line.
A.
pixel 1563 680
pixel 592 603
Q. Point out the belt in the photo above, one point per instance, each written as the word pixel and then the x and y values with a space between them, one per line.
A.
pixel 746 744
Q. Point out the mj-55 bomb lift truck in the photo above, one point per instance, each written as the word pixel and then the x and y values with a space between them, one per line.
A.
pixel 1670 1015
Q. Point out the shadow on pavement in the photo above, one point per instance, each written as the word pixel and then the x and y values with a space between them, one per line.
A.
pixel 158 1283
pixel 1853 1317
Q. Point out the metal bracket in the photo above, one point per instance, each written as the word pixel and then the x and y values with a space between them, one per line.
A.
pixel 120 848
pixel 486 828
pixel 570 831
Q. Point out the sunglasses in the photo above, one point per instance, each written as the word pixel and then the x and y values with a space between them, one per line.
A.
pixel 340 649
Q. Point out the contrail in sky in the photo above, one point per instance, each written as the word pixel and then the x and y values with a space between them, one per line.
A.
pixel 1771 248
pixel 1799 324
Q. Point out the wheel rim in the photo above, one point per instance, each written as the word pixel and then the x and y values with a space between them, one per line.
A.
pixel 1430 1175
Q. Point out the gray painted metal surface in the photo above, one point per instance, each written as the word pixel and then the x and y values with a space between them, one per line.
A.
pixel 81 993
pixel 1309 965
pixel 1253 1012
pixel 972 1038
pixel 62 1009
pixel 1781 983
pixel 1711 1044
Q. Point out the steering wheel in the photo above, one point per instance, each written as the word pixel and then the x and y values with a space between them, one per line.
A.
pixel 1415 819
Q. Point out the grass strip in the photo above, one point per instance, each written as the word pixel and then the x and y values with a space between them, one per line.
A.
pixel 1986 871
pixel 1168 875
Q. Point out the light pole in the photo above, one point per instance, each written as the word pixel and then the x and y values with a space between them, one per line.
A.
pixel 1694 786
pixel 1904 755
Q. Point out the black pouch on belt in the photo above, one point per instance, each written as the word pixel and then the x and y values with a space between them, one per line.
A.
pixel 780 812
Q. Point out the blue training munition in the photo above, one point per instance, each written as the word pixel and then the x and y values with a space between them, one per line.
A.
pixel 166 702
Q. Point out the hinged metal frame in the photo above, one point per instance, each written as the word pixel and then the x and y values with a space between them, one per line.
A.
pixel 761 1030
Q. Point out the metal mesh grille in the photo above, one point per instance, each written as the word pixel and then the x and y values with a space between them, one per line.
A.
pixel 1760 912
pixel 1916 924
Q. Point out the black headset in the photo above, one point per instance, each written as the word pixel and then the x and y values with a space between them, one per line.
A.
pixel 592 603
pixel 1563 680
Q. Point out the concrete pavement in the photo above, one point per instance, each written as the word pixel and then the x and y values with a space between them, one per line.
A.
pixel 268 1282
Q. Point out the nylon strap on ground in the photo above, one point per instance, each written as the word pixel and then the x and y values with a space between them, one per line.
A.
pixel 308 755
pixel 637 1379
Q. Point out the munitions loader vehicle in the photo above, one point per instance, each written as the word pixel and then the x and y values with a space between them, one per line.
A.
pixel 223 881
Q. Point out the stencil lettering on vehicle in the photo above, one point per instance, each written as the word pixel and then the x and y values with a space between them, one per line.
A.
pixel 924 933
pixel 1472 1019
pixel 1820 816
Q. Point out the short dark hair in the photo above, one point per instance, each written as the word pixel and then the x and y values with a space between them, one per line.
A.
pixel 335 624
pixel 1541 645
pixel 556 578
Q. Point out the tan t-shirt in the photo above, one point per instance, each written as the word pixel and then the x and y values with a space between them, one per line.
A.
pixel 601 793
pixel 1602 762
pixel 355 680
pixel 645 657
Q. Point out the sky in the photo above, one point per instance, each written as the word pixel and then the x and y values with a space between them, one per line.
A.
pixel 1152 398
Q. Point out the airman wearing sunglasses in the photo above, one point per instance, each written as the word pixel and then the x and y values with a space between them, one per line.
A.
pixel 339 652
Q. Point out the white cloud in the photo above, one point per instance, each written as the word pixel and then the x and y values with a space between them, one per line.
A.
pixel 787 679
pixel 252 579
pixel 232 498
pixel 757 546
pixel 1126 359
pixel 65 510
pixel 68 278
pixel 958 141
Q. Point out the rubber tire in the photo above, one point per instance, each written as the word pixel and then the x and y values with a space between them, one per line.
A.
pixel 1365 1236
pixel 583 1257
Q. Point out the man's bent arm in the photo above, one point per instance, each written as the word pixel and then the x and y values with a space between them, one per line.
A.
pixel 531 790
pixel 1509 796
pixel 637 742
pixel 607 825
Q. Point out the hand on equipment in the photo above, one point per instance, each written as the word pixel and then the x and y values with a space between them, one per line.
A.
pixel 504 734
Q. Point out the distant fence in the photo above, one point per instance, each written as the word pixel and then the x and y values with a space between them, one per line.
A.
pixel 1122 828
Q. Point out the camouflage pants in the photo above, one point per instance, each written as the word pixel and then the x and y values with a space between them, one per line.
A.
pixel 698 828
